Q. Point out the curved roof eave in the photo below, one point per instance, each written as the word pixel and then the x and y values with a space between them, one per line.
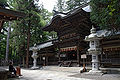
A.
pixel 54 19
pixel 87 8
pixel 43 45
pixel 58 17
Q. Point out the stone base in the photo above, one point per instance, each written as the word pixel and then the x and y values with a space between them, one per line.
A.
pixel 94 73
pixel 34 68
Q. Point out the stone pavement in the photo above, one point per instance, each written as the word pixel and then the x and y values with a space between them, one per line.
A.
pixel 62 73
pixel 46 74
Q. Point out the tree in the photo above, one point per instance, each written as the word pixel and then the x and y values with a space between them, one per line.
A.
pixel 61 6
pixel 3 3
pixel 2 46
pixel 4 40
pixel 26 32
pixel 105 13
pixel 7 46
pixel 68 5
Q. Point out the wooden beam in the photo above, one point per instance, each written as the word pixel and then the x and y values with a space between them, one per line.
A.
pixel 8 12
pixel 111 41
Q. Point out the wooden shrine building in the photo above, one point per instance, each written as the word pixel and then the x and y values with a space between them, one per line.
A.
pixel 47 54
pixel 9 15
pixel 71 28
pixel 111 51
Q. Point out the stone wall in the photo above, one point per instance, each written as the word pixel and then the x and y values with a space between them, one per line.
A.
pixel 3 74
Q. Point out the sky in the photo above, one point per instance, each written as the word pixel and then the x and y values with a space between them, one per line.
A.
pixel 48 4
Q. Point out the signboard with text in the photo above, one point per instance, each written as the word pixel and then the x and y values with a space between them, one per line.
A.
pixel 83 56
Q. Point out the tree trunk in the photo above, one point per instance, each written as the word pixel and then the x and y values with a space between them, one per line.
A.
pixel 23 61
pixel 7 46
pixel 28 40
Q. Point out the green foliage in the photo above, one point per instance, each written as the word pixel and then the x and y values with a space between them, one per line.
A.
pixel 3 37
pixel 106 13
pixel 2 45
pixel 3 2
pixel 36 18
pixel 61 6
pixel 68 5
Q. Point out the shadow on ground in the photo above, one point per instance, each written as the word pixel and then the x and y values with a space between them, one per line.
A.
pixel 108 75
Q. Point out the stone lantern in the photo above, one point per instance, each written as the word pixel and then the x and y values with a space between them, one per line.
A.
pixel 94 49
pixel 34 56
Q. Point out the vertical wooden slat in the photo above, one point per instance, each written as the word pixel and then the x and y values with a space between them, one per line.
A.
pixel 46 59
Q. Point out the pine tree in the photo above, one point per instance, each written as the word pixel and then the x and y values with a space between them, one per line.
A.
pixel 3 3
pixel 61 6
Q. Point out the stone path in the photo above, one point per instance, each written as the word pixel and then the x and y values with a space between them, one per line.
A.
pixel 46 75
pixel 62 73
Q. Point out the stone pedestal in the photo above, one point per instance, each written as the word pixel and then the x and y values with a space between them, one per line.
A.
pixel 34 56
pixel 95 63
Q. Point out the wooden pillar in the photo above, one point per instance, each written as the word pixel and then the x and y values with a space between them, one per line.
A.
pixel 78 55
pixel 46 60
pixel 59 53
pixel 1 24
pixel 23 61
pixel 40 59
pixel 101 56
pixel 28 42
